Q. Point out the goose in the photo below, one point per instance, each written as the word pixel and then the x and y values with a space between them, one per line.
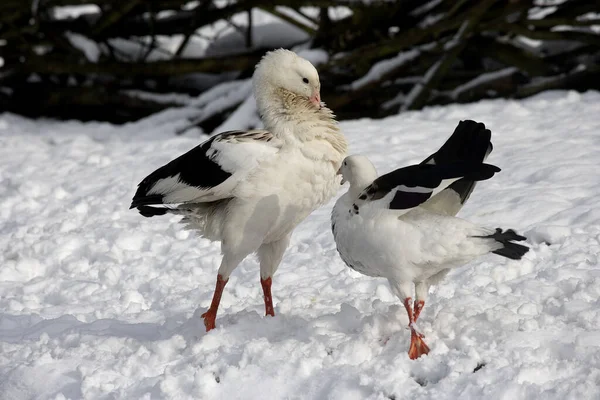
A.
pixel 401 225
pixel 249 189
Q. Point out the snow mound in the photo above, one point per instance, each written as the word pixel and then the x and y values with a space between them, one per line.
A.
pixel 98 302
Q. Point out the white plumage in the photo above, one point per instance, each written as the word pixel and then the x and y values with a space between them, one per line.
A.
pixel 249 189
pixel 389 227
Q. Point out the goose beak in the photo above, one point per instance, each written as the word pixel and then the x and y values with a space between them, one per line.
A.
pixel 316 99
pixel 340 173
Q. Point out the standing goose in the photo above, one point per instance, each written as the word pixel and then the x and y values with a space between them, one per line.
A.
pixel 401 225
pixel 249 189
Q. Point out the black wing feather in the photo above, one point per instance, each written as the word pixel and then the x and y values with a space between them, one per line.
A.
pixel 470 142
pixel 423 178
pixel 195 168
pixel 405 200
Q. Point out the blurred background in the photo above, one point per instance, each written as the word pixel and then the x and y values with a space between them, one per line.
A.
pixel 122 60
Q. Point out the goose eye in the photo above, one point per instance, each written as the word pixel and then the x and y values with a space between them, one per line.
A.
pixel 305 80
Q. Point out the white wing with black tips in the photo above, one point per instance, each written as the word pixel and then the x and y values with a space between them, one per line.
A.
pixel 409 187
pixel 208 172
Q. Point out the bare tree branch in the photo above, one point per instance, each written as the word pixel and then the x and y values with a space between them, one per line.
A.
pixel 215 65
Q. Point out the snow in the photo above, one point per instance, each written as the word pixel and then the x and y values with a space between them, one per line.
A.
pixel 65 12
pixel 594 29
pixel 540 12
pixel 246 115
pixel 339 12
pixel 588 16
pixel 425 7
pixel 266 36
pixel 223 96
pixel 100 303
pixel 302 18
pixel 218 39
pixel 482 79
pixel 86 46
pixel 379 69
pixel 528 42
pixel 315 56
pixel 420 86
pixel 133 50
pixel 177 98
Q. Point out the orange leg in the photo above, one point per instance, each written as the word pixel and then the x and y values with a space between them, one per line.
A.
pixel 266 286
pixel 418 308
pixel 417 345
pixel 211 315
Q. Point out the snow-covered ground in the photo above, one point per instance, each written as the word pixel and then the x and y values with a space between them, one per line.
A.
pixel 97 302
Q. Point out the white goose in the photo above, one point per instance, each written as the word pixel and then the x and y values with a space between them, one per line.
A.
pixel 249 189
pixel 400 226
